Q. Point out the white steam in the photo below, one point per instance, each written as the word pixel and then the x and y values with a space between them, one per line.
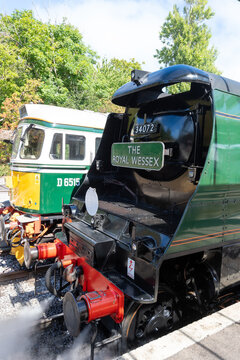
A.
pixel 81 349
pixel 15 333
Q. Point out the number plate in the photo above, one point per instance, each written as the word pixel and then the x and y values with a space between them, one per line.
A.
pixel 145 129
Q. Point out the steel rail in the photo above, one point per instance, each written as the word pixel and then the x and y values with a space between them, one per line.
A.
pixel 23 274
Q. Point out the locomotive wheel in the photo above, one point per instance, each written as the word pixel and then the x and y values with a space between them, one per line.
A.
pixel 204 282
pixel 129 326
pixel 54 280
pixel 143 320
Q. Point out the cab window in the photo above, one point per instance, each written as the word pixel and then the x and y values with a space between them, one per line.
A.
pixel 32 144
pixel 75 147
pixel 16 142
pixel 56 151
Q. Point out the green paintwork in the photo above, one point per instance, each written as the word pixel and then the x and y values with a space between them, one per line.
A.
pixel 55 188
pixel 46 166
pixel 212 215
pixel 140 155
pixel 60 126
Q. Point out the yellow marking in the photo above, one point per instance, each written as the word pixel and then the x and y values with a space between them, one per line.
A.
pixel 37 179
pixel 25 191
pixel 9 183
pixel 18 251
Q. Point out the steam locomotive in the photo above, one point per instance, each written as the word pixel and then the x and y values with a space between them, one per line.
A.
pixel 154 227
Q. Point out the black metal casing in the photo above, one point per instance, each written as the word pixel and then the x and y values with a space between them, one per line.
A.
pixel 139 210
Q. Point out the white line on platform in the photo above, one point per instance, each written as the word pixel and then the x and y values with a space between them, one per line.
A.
pixel 178 340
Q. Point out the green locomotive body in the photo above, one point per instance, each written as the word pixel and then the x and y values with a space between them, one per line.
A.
pixel 211 216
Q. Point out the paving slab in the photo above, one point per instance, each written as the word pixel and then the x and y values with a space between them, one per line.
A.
pixel 215 336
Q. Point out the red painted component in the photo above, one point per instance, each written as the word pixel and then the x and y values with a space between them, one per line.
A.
pixel 102 296
pixel 47 251
pixel 101 303
pixel 5 210
pixel 52 250
pixel 68 262
pixel 112 299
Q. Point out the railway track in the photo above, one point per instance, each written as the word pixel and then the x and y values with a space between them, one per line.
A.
pixel 23 274
pixel 48 328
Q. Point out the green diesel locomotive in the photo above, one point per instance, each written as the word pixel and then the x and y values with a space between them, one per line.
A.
pixel 53 149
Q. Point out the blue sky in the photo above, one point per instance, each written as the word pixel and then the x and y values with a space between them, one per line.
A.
pixel 129 28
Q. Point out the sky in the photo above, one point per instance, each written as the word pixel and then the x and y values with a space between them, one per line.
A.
pixel 128 29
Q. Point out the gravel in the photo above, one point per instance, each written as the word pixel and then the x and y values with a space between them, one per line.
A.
pixel 8 263
pixel 22 303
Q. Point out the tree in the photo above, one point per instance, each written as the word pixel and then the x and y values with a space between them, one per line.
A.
pixel 108 76
pixel 186 37
pixel 10 107
pixel 52 54
pixel 56 56
pixel 12 71
pixel 42 62
pixel 10 116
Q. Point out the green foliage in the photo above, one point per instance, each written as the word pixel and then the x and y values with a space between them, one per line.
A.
pixel 10 114
pixel 53 54
pixel 41 62
pixel 5 153
pixel 12 70
pixel 185 37
pixel 10 106
pixel 106 79
pixel 4 170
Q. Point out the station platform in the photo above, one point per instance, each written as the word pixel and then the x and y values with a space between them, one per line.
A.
pixel 216 336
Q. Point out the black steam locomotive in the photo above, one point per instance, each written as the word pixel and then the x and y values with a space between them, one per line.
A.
pixel 154 228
